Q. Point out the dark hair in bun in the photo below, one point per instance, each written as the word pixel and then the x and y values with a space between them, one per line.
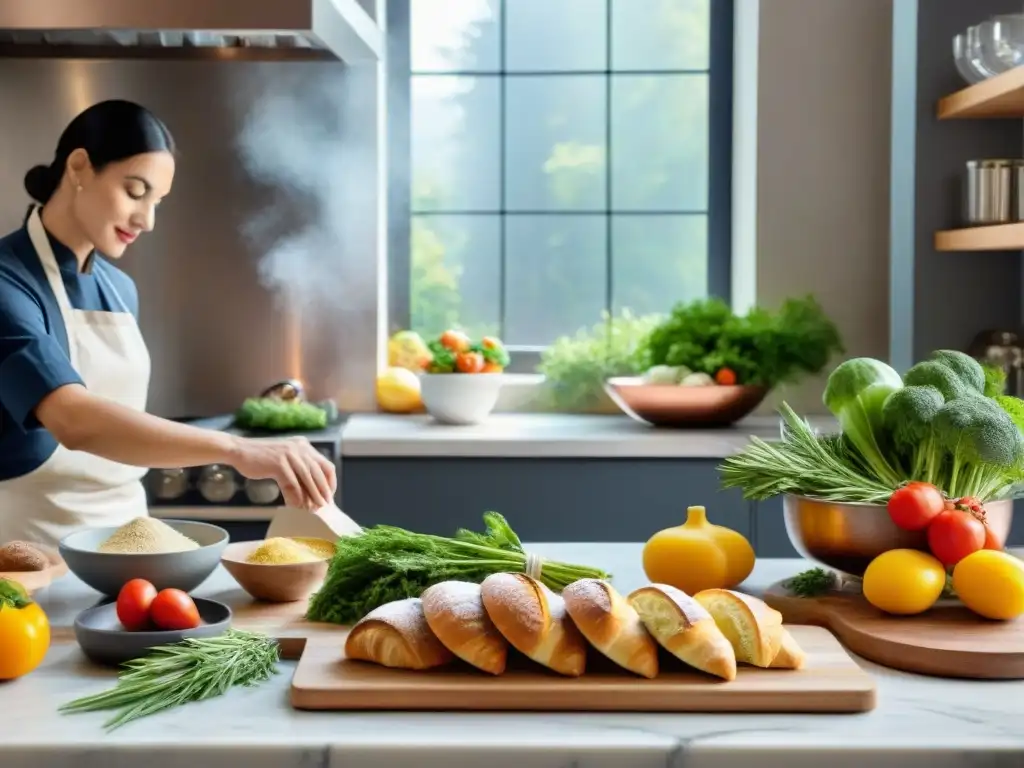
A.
pixel 108 131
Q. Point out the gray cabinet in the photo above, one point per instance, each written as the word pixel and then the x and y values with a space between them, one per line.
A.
pixel 544 499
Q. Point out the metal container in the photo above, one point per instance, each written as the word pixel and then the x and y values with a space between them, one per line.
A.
pixel 988 197
pixel 847 537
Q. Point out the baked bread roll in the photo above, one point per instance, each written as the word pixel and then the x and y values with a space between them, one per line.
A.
pixel 611 625
pixel 790 655
pixel 396 635
pixel 751 625
pixel 685 629
pixel 533 619
pixel 455 613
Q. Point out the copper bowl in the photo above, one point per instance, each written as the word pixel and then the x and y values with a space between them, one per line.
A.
pixel 847 537
pixel 673 405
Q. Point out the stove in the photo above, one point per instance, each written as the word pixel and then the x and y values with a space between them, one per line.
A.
pixel 216 492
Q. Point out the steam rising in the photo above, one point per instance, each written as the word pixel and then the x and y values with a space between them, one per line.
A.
pixel 309 138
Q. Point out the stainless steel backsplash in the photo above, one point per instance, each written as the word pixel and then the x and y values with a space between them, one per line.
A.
pixel 275 196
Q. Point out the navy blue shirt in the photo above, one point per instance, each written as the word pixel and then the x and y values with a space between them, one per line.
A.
pixel 34 352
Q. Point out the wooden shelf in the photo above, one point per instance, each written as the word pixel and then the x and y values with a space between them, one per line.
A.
pixel 1001 237
pixel 999 96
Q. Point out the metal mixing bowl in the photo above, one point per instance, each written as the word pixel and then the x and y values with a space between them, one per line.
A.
pixel 672 405
pixel 846 537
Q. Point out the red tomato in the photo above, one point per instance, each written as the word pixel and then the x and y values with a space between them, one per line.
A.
pixel 955 534
pixel 174 609
pixel 726 377
pixel 469 362
pixel 492 368
pixel 991 542
pixel 133 603
pixel 456 341
pixel 915 505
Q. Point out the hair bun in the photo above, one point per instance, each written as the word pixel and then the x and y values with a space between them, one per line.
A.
pixel 40 183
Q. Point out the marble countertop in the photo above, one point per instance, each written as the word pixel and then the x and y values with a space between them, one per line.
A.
pixel 919 721
pixel 554 435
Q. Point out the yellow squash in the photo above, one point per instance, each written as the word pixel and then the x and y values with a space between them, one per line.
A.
pixel 698 555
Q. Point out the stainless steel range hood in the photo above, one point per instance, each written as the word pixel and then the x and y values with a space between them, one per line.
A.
pixel 339 30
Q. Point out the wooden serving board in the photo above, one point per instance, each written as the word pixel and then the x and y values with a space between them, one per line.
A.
pixel 947 641
pixel 831 682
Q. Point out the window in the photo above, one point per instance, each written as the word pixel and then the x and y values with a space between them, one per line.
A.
pixel 560 158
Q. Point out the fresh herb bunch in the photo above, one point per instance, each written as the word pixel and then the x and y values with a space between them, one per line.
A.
pixel 386 563
pixel 179 673
pixel 278 415
pixel 576 367
pixel 803 463
pixel 763 348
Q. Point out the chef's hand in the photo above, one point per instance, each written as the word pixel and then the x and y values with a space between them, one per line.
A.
pixel 307 478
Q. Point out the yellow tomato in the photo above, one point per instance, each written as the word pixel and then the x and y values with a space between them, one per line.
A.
pixel 904 581
pixel 24 633
pixel 991 584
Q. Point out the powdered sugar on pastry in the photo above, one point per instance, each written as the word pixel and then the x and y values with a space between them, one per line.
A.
pixel 459 599
pixel 405 616
pixel 514 592
pixel 593 591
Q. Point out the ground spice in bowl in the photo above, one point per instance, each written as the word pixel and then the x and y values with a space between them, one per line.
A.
pixel 282 551
pixel 147 536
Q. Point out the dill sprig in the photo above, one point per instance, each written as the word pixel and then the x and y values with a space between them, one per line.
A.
pixel 804 464
pixel 194 669
pixel 812 583
pixel 386 563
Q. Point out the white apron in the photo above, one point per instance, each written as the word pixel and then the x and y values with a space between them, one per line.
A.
pixel 73 489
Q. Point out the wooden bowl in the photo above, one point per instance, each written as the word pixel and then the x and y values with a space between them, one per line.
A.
pixel 285 583
pixel 673 405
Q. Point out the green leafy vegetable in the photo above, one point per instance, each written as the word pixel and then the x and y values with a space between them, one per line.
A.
pixel 967 369
pixel 385 563
pixel 576 367
pixel 762 348
pixel 1014 408
pixel 907 415
pixel 812 583
pixel 995 380
pixel 192 670
pixel 855 393
pixel 271 413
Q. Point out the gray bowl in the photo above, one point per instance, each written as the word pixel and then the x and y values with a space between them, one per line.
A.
pixel 105 641
pixel 107 572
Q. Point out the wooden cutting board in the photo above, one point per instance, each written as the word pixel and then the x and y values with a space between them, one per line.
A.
pixel 831 682
pixel 947 641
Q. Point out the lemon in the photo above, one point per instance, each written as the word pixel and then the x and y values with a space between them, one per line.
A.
pixel 398 390
pixel 991 584
pixel 904 581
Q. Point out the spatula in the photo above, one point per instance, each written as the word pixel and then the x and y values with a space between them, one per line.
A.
pixel 328 523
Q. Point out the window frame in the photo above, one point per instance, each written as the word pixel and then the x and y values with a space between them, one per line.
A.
pixel 525 359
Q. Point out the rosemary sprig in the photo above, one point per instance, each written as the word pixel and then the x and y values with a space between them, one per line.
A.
pixel 386 563
pixel 179 673
pixel 802 463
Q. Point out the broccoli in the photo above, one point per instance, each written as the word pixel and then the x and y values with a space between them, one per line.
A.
pixel 983 444
pixel 855 393
pixel 907 415
pixel 932 373
pixel 967 369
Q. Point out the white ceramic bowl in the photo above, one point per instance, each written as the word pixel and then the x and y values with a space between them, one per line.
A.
pixel 460 398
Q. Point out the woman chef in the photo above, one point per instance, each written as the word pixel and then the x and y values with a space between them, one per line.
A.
pixel 75 440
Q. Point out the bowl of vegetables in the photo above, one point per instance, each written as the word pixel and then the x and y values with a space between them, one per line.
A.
pixel 462 379
pixel 670 398
pixel 929 460
pixel 704 365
